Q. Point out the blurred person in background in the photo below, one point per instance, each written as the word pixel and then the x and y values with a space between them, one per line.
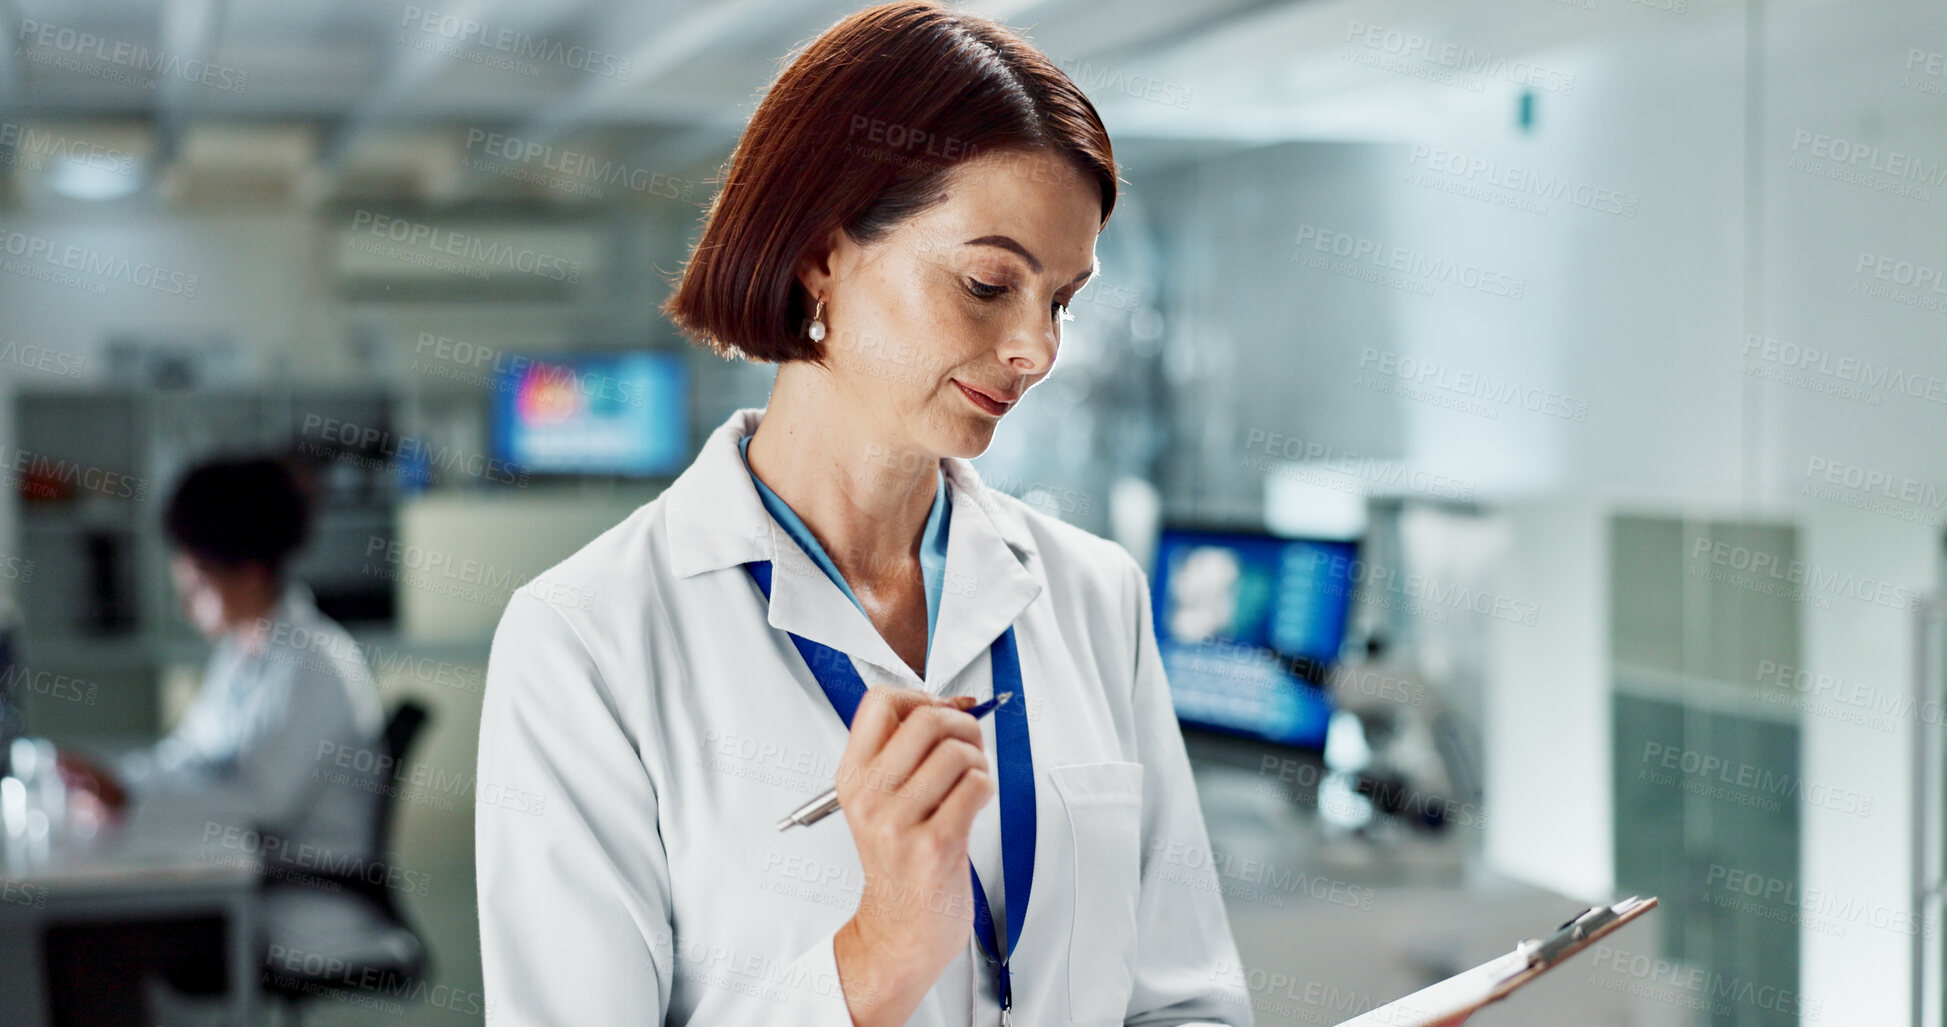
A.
pixel 285 689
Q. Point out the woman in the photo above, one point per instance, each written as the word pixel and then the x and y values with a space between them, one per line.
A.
pixel 904 222
pixel 258 766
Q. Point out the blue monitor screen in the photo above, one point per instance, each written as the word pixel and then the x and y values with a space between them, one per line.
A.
pixel 609 413
pixel 1239 617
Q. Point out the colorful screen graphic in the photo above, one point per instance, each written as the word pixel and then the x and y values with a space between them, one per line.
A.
pixel 1242 620
pixel 619 413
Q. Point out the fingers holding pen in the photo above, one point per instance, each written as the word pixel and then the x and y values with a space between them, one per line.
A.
pixel 953 770
pixel 931 742
pixel 906 750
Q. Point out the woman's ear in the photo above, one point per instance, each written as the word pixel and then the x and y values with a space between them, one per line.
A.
pixel 822 264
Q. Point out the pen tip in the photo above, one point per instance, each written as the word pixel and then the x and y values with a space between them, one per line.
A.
pixel 1001 699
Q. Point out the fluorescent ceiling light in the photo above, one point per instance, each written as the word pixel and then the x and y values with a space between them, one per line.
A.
pixel 81 179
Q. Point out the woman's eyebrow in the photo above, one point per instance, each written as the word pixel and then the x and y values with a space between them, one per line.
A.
pixel 1007 242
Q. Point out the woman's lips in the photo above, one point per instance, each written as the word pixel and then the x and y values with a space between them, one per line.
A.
pixel 982 400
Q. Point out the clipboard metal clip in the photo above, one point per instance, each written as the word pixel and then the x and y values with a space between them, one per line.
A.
pixel 1547 951
pixel 1575 932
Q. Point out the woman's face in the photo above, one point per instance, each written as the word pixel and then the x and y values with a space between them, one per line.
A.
pixel 936 330
pixel 214 600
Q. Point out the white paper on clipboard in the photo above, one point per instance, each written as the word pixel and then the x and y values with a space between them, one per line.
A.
pixel 1467 991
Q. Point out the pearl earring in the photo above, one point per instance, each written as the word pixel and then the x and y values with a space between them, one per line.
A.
pixel 817 328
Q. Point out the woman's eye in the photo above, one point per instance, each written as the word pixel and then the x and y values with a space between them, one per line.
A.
pixel 988 291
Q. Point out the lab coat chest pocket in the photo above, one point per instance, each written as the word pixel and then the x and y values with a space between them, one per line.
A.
pixel 1104 806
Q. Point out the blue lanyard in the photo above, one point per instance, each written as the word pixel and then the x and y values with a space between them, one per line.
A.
pixel 845 688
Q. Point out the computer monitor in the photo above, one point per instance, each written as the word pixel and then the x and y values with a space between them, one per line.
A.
pixel 599 413
pixel 1247 624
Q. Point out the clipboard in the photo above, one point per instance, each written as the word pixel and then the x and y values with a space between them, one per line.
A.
pixel 1467 991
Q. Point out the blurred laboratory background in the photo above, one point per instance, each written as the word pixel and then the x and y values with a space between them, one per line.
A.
pixel 1530 414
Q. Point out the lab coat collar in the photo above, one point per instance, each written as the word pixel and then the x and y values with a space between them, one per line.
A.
pixel 296 604
pixel 715 521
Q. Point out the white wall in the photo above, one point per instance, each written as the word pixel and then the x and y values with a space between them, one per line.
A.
pixel 1864 463
pixel 1550 807
pixel 1852 862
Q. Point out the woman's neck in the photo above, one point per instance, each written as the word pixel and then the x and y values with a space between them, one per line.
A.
pixel 250 627
pixel 864 495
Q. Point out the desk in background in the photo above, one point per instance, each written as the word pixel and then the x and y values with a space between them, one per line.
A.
pixel 154 866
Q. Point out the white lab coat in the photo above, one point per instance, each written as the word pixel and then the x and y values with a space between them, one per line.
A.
pixel 647 721
pixel 284 742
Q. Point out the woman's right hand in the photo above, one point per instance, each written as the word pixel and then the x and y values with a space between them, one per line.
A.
pixel 83 776
pixel 913 775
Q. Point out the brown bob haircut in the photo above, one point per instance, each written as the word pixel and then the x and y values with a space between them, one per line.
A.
pixel 860 133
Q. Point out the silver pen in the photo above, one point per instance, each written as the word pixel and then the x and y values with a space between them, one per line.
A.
pixel 827 804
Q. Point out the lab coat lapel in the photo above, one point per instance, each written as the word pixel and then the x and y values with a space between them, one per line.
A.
pixel 988 582
pixel 716 521
pixel 804 601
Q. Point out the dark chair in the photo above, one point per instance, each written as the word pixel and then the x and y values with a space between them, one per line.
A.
pixel 389 976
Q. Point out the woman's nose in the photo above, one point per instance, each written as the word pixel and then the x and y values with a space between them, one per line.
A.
pixel 1031 349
